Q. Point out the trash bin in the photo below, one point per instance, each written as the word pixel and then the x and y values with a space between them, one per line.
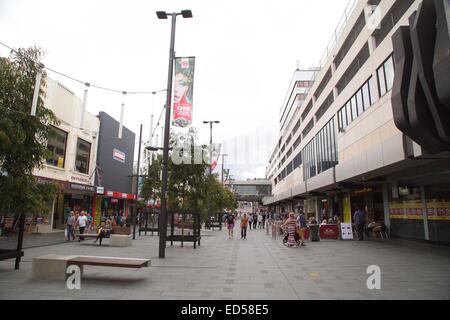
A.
pixel 314 232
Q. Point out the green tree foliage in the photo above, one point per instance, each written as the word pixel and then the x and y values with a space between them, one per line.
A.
pixel 22 137
pixel 190 186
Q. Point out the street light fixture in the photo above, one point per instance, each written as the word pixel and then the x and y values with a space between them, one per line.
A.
pixel 210 141
pixel 163 225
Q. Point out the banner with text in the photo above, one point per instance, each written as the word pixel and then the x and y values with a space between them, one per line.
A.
pixel 183 92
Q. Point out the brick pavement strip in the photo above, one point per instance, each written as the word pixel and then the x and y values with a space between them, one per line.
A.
pixel 257 268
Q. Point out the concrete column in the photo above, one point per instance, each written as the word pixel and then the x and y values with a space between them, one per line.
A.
pixel 424 213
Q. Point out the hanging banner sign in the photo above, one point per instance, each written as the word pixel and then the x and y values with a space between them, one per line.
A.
pixel 183 92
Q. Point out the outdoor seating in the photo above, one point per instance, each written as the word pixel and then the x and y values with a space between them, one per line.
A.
pixel 54 267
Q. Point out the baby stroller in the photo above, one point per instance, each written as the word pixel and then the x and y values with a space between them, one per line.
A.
pixel 286 237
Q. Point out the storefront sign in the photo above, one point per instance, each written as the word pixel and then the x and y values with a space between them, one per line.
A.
pixel 81 187
pixel 80 179
pixel 438 211
pixel 119 195
pixel 346 231
pixel 118 155
pixel 407 210
pixel 329 231
pixel 100 190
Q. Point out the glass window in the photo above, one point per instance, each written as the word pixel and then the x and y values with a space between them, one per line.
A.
pixel 366 96
pixel 354 108
pixel 389 72
pixel 56 144
pixel 359 101
pixel 373 91
pixel 381 81
pixel 83 156
pixel 348 108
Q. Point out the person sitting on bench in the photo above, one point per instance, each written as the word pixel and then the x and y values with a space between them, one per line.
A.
pixel 103 231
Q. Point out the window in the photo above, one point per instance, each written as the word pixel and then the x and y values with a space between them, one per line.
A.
pixel 348 109
pixel 326 147
pixel 386 76
pixel 56 144
pixel 297 161
pixel 83 156
pixel 373 91
pixel 354 108
pixel 309 161
pixel 366 95
pixel 389 72
pixel 359 101
pixel 381 81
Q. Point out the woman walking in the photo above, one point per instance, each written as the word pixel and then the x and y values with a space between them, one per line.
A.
pixel 291 225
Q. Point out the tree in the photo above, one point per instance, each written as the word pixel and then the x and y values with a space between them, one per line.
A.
pixel 22 136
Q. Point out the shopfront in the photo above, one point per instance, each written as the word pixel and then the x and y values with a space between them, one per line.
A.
pixel 420 212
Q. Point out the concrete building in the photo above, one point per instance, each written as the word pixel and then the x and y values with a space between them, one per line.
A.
pixel 373 128
pixel 115 168
pixel 74 151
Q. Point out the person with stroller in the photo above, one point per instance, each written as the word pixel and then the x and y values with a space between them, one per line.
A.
pixel 290 225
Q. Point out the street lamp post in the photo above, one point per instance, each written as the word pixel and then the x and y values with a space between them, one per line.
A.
pixel 163 225
pixel 210 141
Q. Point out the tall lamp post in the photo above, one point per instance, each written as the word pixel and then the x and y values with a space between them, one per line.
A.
pixel 210 141
pixel 163 225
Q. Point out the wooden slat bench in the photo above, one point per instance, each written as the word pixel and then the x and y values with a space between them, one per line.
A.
pixel 109 262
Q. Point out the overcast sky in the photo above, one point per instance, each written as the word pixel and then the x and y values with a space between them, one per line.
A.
pixel 246 53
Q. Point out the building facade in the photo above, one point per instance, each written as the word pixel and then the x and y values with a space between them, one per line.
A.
pixel 373 129
pixel 72 163
pixel 114 169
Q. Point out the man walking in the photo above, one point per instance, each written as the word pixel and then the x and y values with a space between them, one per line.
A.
pixel 70 226
pixel 360 218
pixel 244 224
pixel 82 221
pixel 303 226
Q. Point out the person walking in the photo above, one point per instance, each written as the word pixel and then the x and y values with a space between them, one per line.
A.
pixel 82 222
pixel 255 220
pixel 264 217
pixel 260 219
pixel 303 226
pixel 250 221
pixel 230 224
pixel 291 225
pixel 244 224
pixel 360 218
pixel 70 226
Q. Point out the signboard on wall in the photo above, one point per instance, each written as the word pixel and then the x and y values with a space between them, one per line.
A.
pixel 118 155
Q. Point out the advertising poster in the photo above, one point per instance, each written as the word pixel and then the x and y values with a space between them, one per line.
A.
pixel 183 92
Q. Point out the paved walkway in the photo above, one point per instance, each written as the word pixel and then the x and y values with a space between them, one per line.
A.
pixel 256 268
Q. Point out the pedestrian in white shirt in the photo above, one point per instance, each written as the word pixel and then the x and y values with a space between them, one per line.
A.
pixel 82 221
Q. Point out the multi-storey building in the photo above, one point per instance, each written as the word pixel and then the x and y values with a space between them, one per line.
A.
pixel 72 163
pixel 372 130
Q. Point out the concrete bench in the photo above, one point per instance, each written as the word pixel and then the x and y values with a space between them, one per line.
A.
pixel 54 267
pixel 120 240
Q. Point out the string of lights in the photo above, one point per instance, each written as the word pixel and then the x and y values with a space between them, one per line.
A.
pixel 84 82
